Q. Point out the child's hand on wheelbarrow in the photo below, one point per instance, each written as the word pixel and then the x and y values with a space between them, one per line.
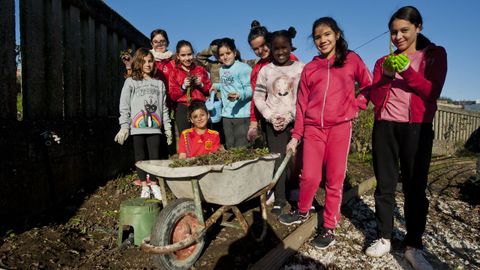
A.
pixel 292 145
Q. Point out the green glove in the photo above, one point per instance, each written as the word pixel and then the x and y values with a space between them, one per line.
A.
pixel 389 66
pixel 401 63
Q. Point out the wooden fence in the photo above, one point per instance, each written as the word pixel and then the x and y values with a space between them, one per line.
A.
pixel 452 127
pixel 72 77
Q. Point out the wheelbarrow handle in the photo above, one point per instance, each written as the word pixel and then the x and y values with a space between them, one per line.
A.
pixel 282 166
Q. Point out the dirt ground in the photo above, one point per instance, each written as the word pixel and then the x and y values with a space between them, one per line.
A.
pixel 82 233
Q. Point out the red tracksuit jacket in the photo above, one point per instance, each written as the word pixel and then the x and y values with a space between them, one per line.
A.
pixel 425 85
pixel 176 79
pixel 326 96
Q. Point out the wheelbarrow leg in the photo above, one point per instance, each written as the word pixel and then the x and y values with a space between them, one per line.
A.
pixel 197 200
pixel 161 183
pixel 263 207
pixel 241 219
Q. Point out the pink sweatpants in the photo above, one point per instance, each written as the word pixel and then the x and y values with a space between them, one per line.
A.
pixel 325 150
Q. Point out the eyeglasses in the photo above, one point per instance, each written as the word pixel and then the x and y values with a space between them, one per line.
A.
pixel 161 42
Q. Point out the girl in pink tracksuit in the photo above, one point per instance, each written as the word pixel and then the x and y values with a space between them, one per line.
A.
pixel 326 106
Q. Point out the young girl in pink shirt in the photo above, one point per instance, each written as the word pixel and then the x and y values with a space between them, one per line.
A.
pixel 326 106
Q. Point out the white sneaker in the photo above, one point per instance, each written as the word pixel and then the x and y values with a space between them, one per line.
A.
pixel 145 193
pixel 378 248
pixel 270 197
pixel 156 192
pixel 415 257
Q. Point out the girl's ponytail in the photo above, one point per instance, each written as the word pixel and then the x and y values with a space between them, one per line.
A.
pixel 292 32
pixel 422 42
pixel 257 30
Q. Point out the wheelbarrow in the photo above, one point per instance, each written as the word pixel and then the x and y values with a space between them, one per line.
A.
pixel 177 237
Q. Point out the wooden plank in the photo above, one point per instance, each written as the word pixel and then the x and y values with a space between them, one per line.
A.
pixel 54 59
pixel 110 75
pixel 32 33
pixel 72 63
pixel 88 67
pixel 277 257
pixel 101 64
pixel 103 14
pixel 115 63
pixel 8 88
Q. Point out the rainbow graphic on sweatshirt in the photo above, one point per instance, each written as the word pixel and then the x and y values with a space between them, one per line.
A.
pixel 144 120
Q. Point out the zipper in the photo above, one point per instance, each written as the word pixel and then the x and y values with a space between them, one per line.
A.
pixel 326 90
pixel 410 108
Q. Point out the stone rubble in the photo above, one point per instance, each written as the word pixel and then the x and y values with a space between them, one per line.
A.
pixel 451 239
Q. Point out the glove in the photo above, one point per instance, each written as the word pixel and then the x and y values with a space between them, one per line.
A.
pixel 401 63
pixel 186 83
pixel 292 145
pixel 198 81
pixel 280 123
pixel 389 66
pixel 168 134
pixel 121 136
pixel 252 134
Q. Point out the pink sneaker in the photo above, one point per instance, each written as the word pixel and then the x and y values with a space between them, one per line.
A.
pixel 138 182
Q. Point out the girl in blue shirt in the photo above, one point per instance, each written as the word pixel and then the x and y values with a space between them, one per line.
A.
pixel 236 93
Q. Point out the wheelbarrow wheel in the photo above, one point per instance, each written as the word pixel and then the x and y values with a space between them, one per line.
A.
pixel 176 222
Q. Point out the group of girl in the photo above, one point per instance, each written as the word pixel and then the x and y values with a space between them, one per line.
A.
pixel 303 106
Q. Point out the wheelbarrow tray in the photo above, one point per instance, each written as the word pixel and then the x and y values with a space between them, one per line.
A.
pixel 219 184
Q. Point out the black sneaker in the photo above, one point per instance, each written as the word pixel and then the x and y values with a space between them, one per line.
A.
pixel 324 239
pixel 278 208
pixel 293 217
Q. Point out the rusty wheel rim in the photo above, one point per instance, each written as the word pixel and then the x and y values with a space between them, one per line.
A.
pixel 184 228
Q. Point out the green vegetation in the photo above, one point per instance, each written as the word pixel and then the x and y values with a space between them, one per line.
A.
pixel 362 132
pixel 19 107
pixel 222 157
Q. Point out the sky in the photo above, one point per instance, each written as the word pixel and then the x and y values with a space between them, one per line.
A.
pixel 451 24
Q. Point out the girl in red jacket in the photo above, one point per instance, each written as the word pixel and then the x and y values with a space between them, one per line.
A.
pixel 326 106
pixel 187 82
pixel 406 86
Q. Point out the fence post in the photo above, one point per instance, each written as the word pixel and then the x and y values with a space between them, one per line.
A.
pixel 54 62
pixel 8 90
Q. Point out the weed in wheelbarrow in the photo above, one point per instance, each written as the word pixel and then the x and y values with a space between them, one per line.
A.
pixel 222 157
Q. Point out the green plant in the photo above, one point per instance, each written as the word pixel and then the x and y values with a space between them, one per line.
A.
pixel 362 132
pixel 19 106
pixel 222 157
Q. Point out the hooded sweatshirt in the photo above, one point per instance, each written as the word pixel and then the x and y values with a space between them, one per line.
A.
pixel 327 94
pixel 423 81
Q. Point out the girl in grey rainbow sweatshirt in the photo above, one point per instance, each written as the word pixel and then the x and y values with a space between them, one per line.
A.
pixel 142 107
pixel 143 114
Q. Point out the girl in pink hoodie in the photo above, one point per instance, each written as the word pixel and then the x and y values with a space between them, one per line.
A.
pixel 326 106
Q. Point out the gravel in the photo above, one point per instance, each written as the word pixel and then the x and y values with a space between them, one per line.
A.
pixel 451 239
